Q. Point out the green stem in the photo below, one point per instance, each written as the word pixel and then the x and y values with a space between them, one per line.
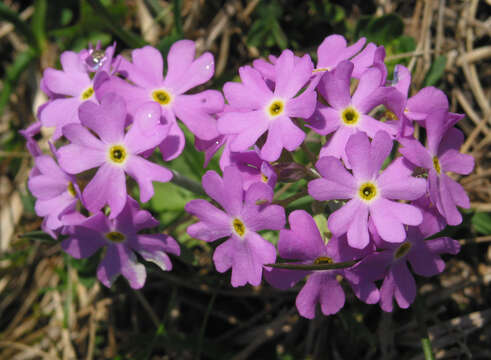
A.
pixel 290 266
pixel 425 342
pixel 177 16
pixel 187 183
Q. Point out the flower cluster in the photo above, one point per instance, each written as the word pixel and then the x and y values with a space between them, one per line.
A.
pixel 378 190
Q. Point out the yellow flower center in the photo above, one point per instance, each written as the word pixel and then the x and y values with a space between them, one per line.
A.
pixel 389 115
pixel 323 260
pixel 115 236
pixel 276 108
pixel 350 116
pixel 402 250
pixel 87 94
pixel 117 154
pixel 239 227
pixel 264 178
pixel 71 189
pixel 162 97
pixel 367 191
pixel 321 70
pixel 436 164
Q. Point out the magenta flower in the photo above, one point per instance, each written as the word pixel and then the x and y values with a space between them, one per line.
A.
pixel 121 238
pixel 371 193
pixel 184 72
pixel 259 109
pixel 253 169
pixel 347 115
pixel 440 156
pixel 71 87
pixel 114 152
pixel 56 192
pixel 245 213
pixel 304 244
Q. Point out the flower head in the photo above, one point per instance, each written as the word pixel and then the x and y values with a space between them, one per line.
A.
pixel 120 236
pixel 244 214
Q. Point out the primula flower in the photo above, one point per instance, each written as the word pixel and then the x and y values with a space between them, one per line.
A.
pixel 245 213
pixel 114 152
pixel 259 109
pixel 440 156
pixel 305 244
pixel 346 114
pixel 390 261
pixel 371 193
pixel 56 192
pixel 253 169
pixel 333 50
pixel 120 236
pixel 183 73
pixel 72 87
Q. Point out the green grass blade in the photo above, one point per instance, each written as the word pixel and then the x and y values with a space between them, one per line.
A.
pixel 38 23
pixel 129 38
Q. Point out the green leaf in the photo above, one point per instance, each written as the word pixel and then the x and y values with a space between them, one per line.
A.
pixel 38 23
pixel 482 223
pixel 436 71
pixel 381 30
pixel 169 197
pixel 13 73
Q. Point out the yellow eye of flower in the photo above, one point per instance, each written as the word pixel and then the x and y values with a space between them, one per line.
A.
pixel 264 178
pixel 350 116
pixel 389 115
pixel 367 191
pixel 436 164
pixel 323 260
pixel 87 94
pixel 162 97
pixel 402 250
pixel 276 108
pixel 239 227
pixel 117 154
pixel 115 236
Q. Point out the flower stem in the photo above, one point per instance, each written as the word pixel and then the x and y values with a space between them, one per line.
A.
pixel 289 266
pixel 187 183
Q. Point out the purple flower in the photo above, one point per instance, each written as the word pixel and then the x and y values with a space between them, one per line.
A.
pixel 304 244
pixel 184 73
pixel 390 262
pixel 441 155
pixel 122 239
pixel 333 50
pixel 71 86
pixel 245 213
pixel 346 114
pixel 253 169
pixel 259 109
pixel 56 192
pixel 114 152
pixel 371 193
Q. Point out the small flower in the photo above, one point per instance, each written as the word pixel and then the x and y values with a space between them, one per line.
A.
pixel 347 115
pixel 114 152
pixel 304 244
pixel 120 236
pixel 441 155
pixel 259 109
pixel 390 263
pixel 371 193
pixel 245 213
pixel 56 192
pixel 71 87
pixel 184 72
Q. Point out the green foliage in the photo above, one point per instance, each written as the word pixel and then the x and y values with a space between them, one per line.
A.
pixel 436 71
pixel 266 31
pixel 482 222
